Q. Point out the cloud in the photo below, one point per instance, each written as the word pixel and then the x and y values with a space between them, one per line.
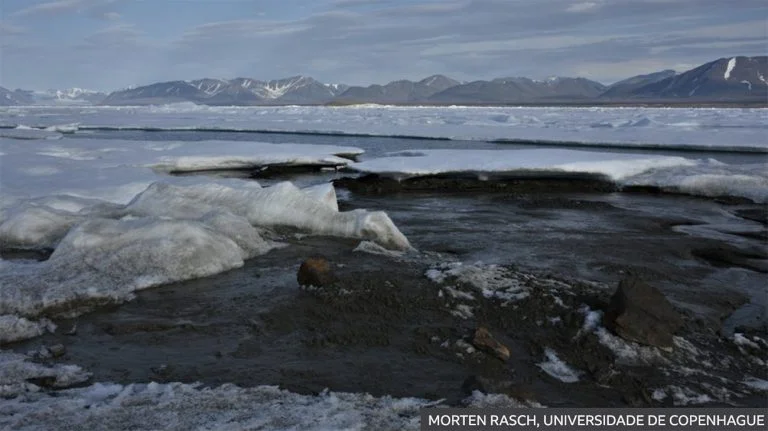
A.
pixel 582 7
pixel 110 16
pixel 375 41
pixel 7 29
pixel 63 7
pixel 51 8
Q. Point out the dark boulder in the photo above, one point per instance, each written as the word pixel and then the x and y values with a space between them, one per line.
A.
pixel 641 313
pixel 315 271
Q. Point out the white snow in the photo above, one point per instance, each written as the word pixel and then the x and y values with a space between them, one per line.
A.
pixel 16 370
pixel 236 155
pixel 492 281
pixel 558 369
pixel 178 406
pixel 28 133
pixel 749 85
pixel 705 128
pixel 755 383
pixel 615 166
pixel 14 328
pixel 683 396
pixel 729 68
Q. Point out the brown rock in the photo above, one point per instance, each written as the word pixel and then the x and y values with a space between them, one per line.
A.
pixel 315 271
pixel 641 313
pixel 483 340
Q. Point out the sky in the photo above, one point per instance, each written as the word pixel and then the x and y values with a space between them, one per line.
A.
pixel 112 44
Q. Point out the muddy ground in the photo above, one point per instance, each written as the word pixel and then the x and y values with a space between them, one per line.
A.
pixel 387 329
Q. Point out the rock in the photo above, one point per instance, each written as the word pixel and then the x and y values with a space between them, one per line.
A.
pixel 483 340
pixel 57 350
pixel 315 271
pixel 641 313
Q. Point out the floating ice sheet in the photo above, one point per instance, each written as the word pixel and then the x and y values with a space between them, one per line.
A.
pixel 678 174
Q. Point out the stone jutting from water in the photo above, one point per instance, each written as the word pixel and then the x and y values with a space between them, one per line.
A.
pixel 641 313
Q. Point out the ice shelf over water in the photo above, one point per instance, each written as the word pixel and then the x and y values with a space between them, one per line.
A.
pixel 683 128
pixel 703 177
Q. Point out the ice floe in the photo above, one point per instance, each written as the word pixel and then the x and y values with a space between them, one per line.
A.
pixel 615 166
pixel 28 133
pixel 703 177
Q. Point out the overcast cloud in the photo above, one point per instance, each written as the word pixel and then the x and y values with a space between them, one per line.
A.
pixel 111 44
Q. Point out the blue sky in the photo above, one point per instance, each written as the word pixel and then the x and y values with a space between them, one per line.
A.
pixel 111 44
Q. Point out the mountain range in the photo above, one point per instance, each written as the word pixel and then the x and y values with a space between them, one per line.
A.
pixel 735 79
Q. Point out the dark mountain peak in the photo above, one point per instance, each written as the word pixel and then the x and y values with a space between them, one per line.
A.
pixel 729 78
pixel 439 82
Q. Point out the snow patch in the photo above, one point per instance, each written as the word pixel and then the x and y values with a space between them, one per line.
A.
pixel 492 281
pixel 16 371
pixel 29 133
pixel 179 406
pixel 755 383
pixel 558 369
pixel 729 68
pixel 15 328
pixel 482 400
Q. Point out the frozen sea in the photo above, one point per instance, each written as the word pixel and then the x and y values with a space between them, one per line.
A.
pixel 160 208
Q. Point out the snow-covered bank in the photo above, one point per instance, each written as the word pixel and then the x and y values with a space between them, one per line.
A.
pixel 675 174
pixel 671 128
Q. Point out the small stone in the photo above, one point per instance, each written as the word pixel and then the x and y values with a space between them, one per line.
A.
pixel 315 271
pixel 484 341
pixel 641 313
pixel 57 350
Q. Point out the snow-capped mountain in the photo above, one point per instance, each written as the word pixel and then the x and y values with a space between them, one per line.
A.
pixel 730 79
pixel 69 95
pixel 50 97
pixel 238 91
pixel 735 78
